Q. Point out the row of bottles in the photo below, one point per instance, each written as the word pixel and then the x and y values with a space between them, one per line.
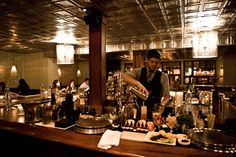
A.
pixel 199 105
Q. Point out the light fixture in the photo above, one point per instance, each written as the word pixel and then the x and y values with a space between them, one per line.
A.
pixel 65 54
pixel 13 71
pixel 205 44
pixel 59 72
pixel 78 73
pixel 221 72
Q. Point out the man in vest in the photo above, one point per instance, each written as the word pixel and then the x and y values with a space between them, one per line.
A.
pixel 150 80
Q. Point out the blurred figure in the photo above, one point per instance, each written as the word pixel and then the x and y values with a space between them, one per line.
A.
pixel 55 91
pixel 23 88
pixel 2 88
pixel 56 84
pixel 71 86
pixel 85 83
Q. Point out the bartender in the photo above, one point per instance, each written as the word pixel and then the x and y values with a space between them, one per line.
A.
pixel 150 80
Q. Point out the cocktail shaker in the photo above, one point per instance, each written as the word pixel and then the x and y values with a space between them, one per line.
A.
pixel 138 93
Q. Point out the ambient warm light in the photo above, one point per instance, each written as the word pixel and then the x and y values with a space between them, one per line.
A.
pixel 59 72
pixel 205 45
pixel 78 73
pixel 13 71
pixel 63 37
pixel 65 54
pixel 221 73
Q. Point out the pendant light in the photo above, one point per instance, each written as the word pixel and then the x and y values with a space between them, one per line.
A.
pixel 65 54
pixel 205 44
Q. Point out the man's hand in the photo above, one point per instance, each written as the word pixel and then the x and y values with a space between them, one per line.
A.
pixel 142 88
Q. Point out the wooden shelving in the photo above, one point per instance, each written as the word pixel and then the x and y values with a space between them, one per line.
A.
pixel 174 71
pixel 199 71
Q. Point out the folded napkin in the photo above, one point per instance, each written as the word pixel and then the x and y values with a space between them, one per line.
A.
pixel 109 138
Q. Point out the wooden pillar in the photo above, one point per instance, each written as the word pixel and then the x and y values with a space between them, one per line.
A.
pixel 139 59
pixel 97 60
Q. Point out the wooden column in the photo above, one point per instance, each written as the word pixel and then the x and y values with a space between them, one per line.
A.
pixel 139 59
pixel 97 60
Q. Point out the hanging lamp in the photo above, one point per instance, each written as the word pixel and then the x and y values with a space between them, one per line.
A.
pixel 205 44
pixel 65 54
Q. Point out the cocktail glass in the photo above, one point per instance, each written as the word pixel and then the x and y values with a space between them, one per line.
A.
pixel 158 120
pixel 171 122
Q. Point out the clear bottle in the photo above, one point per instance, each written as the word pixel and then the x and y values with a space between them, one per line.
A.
pixel 8 97
pixel 200 120
pixel 188 102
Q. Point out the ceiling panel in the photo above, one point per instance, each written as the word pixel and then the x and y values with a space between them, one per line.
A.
pixel 28 25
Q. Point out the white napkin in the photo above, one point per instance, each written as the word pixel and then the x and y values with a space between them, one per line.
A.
pixel 109 138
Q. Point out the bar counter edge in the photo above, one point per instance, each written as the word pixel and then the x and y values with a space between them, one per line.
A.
pixel 31 140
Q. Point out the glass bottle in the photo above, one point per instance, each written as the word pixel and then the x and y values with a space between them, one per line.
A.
pixel 188 102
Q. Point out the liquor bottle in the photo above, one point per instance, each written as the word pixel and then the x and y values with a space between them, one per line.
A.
pixel 200 120
pixel 188 102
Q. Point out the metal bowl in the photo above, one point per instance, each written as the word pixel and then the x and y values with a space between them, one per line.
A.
pixel 96 125
pixel 213 139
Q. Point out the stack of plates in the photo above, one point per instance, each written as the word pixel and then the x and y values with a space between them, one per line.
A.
pixel 212 139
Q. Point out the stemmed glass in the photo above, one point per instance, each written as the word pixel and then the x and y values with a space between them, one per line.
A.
pixel 171 122
pixel 158 120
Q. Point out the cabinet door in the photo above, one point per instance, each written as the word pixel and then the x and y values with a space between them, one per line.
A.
pixel 173 69
pixel 188 71
pixel 199 71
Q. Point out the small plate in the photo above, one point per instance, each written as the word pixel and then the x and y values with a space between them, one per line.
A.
pixel 148 136
pixel 183 139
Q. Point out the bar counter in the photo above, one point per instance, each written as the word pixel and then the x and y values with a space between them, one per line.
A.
pixel 19 137
pixel 32 140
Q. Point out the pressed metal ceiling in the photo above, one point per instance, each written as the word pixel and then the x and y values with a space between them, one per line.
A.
pixel 28 25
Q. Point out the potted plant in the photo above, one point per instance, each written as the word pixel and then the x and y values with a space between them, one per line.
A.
pixel 185 122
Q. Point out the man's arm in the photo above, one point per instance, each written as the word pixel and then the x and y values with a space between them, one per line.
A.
pixel 133 82
pixel 166 89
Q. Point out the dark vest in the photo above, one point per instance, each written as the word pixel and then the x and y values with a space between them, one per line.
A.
pixel 154 87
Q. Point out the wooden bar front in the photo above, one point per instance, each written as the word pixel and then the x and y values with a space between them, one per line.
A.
pixel 32 140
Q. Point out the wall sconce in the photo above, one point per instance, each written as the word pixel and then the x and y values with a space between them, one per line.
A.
pixel 221 73
pixel 205 44
pixel 78 73
pixel 65 54
pixel 59 72
pixel 13 71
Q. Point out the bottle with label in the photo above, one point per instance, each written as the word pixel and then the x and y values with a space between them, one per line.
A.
pixel 188 102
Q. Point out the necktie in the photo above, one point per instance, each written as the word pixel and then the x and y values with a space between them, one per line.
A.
pixel 150 76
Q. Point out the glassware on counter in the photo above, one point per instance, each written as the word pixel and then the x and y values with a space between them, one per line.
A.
pixel 158 120
pixel 171 122
pixel 195 110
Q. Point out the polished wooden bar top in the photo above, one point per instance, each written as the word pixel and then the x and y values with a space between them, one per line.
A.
pixel 60 142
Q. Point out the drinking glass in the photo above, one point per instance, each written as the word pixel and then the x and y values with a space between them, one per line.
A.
pixel 171 122
pixel 195 114
pixel 211 120
pixel 158 119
